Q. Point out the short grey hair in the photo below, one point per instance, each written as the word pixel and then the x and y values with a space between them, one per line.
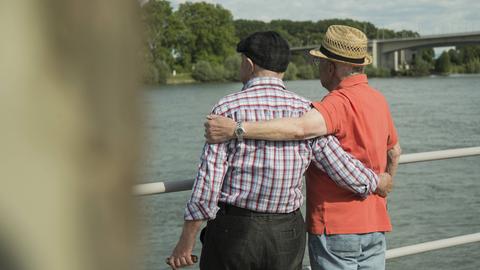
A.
pixel 347 69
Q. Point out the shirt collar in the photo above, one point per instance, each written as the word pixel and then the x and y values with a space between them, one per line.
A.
pixel 264 81
pixel 353 80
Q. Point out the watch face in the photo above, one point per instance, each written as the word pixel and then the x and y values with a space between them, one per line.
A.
pixel 239 131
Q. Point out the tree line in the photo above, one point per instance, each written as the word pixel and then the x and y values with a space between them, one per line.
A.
pixel 199 39
pixel 462 59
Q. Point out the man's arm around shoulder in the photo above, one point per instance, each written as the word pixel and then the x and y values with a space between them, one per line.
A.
pixel 310 125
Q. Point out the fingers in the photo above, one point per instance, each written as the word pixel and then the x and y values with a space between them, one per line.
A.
pixel 178 262
pixel 218 128
pixel 385 185
pixel 188 260
pixel 170 261
pixel 181 261
pixel 382 194
pixel 386 177
pixel 211 116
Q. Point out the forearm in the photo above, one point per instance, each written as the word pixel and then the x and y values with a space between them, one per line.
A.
pixel 190 229
pixel 275 130
pixel 342 168
pixel 310 125
pixel 182 253
pixel 393 157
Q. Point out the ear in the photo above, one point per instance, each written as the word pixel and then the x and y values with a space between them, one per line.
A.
pixel 250 65
pixel 331 67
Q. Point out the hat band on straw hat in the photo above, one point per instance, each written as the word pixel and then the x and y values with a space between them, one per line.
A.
pixel 332 55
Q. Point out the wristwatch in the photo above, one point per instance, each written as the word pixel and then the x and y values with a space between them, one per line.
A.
pixel 239 131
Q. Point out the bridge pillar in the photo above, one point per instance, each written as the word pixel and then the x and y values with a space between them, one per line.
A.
pixel 375 55
pixel 403 62
pixel 388 60
pixel 395 60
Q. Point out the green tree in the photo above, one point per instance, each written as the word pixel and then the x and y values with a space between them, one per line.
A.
pixel 443 64
pixel 204 71
pixel 163 71
pixel 383 33
pixel 455 57
pixel 468 53
pixel 302 33
pixel 420 67
pixel 306 72
pixel 212 30
pixel 232 68
pixel 473 66
pixel 291 73
pixel 150 74
pixel 162 31
pixel 377 72
pixel 427 55
pixel 406 34
pixel 243 28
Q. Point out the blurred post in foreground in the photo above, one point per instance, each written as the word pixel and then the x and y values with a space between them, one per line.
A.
pixel 70 133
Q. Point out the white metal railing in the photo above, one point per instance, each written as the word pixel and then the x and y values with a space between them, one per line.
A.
pixel 182 185
pixel 427 246
pixel 433 245
pixel 438 155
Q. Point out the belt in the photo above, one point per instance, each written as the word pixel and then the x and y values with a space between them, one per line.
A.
pixel 228 209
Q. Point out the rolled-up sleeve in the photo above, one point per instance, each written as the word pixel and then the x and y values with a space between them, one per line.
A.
pixel 203 203
pixel 345 170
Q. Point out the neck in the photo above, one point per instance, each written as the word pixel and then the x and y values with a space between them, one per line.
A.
pixel 333 84
pixel 342 71
pixel 267 73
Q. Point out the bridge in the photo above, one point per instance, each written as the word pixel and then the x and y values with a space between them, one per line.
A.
pixel 399 52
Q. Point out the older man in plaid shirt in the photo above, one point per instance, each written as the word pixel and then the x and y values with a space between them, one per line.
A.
pixel 250 191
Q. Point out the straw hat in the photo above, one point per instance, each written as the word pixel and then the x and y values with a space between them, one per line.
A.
pixel 344 44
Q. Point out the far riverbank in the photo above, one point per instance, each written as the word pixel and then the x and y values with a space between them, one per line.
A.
pixel 186 78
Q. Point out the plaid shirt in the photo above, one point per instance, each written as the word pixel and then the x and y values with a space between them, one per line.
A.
pixel 267 176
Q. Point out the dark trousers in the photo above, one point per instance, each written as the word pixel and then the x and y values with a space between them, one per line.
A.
pixel 239 239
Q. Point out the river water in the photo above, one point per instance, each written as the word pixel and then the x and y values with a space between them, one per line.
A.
pixel 430 201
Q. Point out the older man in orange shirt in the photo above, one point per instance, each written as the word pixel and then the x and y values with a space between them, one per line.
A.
pixel 344 231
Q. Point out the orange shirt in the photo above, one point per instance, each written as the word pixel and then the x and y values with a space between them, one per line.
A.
pixel 359 117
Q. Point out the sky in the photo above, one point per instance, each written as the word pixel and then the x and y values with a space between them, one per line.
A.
pixel 427 17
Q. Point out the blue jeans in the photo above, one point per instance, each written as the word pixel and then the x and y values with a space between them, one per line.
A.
pixel 347 251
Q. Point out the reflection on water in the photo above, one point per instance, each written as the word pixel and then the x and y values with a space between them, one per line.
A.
pixel 431 200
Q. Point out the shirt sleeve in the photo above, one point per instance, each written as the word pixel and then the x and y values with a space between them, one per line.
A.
pixel 332 108
pixel 345 170
pixel 203 203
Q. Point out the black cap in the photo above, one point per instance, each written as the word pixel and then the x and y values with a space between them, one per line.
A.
pixel 266 49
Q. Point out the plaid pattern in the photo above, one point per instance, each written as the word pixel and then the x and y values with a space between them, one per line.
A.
pixel 267 176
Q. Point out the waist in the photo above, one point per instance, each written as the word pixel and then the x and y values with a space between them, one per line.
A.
pixel 228 209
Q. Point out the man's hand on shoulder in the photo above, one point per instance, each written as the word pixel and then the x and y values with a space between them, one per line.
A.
pixel 385 184
pixel 219 129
